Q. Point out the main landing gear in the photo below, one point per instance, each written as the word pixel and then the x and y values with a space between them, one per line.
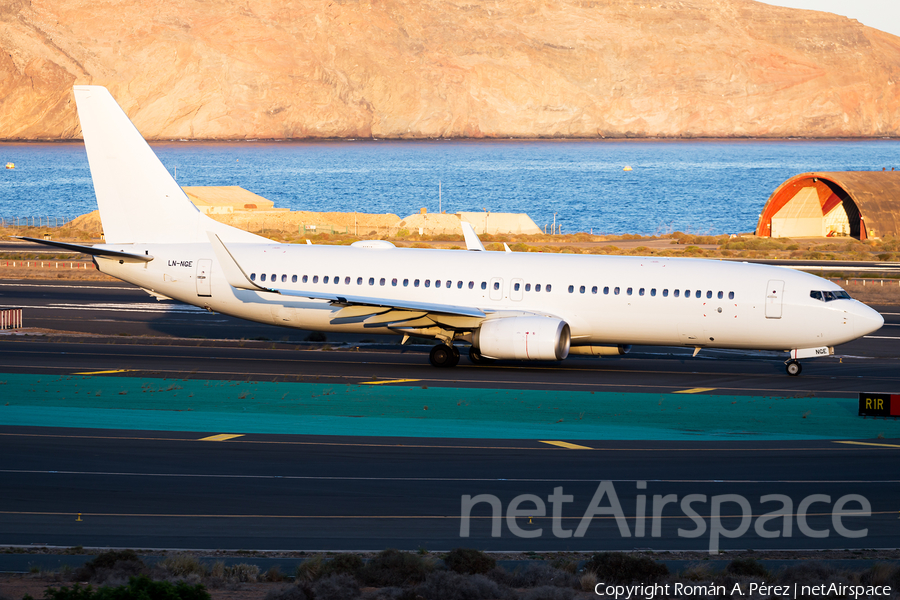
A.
pixel 443 355
pixel 792 367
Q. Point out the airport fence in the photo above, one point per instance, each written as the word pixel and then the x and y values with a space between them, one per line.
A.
pixel 39 221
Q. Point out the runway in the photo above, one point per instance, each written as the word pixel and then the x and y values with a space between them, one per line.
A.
pixel 163 440
pixel 164 490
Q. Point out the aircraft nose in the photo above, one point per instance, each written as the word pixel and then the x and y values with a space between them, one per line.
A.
pixel 866 320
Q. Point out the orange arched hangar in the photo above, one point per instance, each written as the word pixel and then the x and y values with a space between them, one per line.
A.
pixel 860 204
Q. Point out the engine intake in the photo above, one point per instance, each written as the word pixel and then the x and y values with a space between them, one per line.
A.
pixel 523 338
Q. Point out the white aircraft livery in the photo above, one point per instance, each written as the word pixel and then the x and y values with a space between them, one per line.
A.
pixel 505 305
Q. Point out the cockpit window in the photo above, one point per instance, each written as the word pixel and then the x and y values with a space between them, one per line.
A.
pixel 829 295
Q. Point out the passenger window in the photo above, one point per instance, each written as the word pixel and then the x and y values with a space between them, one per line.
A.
pixel 709 294
pixel 406 283
pixel 437 283
pixel 284 279
pixel 516 287
pixel 346 281
pixel 616 291
pixel 594 290
pixel 459 285
pixel 315 279
pixel 731 295
pixel 359 281
pixel 687 293
pixel 547 287
pixel 371 281
pixel 450 284
pixel 496 285
pixel 471 285
pixel 484 285
pixel 581 289
pixel 337 279
pixel 676 293
pixel 571 288
pixel 381 281
pixel 272 277
pixel 394 282
pixel 653 291
pixel 293 279
pixel 427 283
pixel 641 292
pixel 262 277
pixel 325 279
pixel 720 295
pixel 527 287
pixel 628 291
pixel 305 278
pixel 416 283
pixel 665 293
pixel 606 290
pixel 537 287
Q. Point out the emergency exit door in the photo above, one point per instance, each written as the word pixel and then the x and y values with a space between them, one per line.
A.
pixel 773 298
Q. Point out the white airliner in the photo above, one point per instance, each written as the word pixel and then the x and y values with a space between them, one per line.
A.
pixel 518 306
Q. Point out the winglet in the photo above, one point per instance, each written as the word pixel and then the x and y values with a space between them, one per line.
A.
pixel 506 248
pixel 234 274
pixel 472 241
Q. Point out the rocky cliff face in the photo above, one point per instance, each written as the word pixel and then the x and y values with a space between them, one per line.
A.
pixel 230 69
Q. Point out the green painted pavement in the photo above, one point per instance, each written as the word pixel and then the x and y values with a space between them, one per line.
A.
pixel 410 411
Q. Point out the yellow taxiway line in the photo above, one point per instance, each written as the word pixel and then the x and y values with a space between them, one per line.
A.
pixel 565 445
pixel 221 437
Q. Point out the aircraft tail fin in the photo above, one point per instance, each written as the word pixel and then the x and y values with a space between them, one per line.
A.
pixel 139 200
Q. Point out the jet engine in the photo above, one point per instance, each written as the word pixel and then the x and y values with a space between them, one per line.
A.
pixel 523 338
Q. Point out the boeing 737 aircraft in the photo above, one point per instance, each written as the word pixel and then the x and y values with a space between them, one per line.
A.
pixel 517 306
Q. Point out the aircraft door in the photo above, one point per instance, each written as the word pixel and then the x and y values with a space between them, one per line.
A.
pixel 204 266
pixel 774 294
pixel 496 288
pixel 516 287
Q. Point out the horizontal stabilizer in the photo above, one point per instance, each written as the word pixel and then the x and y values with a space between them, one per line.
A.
pixel 92 250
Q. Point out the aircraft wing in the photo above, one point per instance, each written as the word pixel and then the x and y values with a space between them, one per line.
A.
pixel 238 279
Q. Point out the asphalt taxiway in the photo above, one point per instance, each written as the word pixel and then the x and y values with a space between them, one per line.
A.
pixel 130 423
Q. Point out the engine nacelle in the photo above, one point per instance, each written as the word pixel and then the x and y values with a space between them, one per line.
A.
pixel 523 338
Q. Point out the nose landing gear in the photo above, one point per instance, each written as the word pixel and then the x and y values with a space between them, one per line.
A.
pixel 792 367
pixel 443 355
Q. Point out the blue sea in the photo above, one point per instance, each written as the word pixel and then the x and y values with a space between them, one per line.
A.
pixel 703 187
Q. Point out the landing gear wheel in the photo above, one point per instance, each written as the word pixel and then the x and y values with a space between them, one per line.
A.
pixel 476 357
pixel 793 367
pixel 443 355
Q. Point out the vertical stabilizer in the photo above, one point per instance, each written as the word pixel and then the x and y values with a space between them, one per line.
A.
pixel 139 200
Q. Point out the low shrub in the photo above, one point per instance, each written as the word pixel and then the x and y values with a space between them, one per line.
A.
pixel 549 592
pixel 618 567
pixel 394 568
pixel 300 591
pixel 469 561
pixel 117 565
pixel 182 565
pixel 747 567
pixel 339 586
pixel 447 585
pixel 347 564
pixel 141 587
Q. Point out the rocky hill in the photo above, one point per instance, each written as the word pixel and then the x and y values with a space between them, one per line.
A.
pixel 231 69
